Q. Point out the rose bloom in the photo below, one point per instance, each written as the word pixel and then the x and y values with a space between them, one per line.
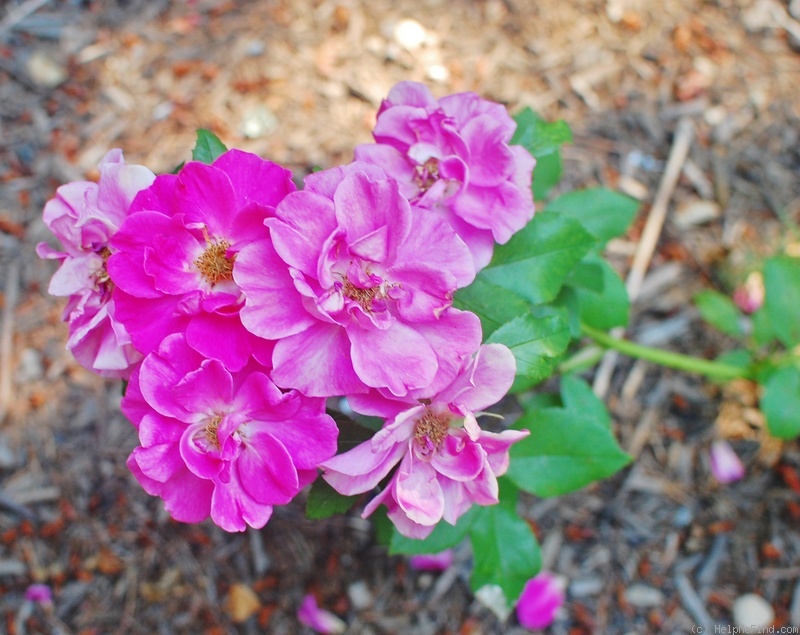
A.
pixel 356 286
pixel 84 216
pixel 453 156
pixel 176 254
pixel 445 461
pixel 215 442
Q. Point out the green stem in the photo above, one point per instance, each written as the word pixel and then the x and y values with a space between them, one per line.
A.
pixel 687 363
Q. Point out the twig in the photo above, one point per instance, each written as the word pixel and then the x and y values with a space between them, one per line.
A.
pixel 684 134
pixel 17 15
pixel 693 603
pixel 6 336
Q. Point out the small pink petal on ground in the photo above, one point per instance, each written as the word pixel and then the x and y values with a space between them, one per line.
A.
pixel 725 463
pixel 319 619
pixel 432 561
pixel 39 593
pixel 540 600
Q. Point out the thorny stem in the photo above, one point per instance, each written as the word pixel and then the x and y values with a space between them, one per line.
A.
pixel 714 370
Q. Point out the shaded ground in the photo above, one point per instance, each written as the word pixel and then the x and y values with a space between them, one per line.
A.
pixel 656 549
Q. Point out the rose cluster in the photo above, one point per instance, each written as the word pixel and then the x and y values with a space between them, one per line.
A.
pixel 235 305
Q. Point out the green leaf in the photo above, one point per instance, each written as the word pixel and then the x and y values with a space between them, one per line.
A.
pixel 762 327
pixel 568 447
pixel 543 139
pixel 540 137
pixel 587 274
pixel 604 213
pixel 505 550
pixel 537 260
pixel 537 344
pixel 208 147
pixel 782 298
pixel 719 311
pixel 577 396
pixel 384 528
pixel 546 175
pixel 737 357
pixel 324 501
pixel 442 537
pixel 492 304
pixel 781 403
pixel 602 304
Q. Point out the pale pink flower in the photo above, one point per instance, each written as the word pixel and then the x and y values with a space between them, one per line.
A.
pixel 453 156
pixel 177 251
pixel 432 561
pixel 226 444
pixel 319 619
pixel 84 216
pixel 725 463
pixel 540 600
pixel 445 461
pixel 356 286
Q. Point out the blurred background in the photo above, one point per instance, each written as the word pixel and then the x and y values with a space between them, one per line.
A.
pixel 655 549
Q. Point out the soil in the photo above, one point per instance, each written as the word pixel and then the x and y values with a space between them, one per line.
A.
pixel 659 548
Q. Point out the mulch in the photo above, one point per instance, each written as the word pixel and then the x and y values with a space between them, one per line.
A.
pixel 655 549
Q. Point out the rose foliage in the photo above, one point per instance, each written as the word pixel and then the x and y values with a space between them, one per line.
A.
pixel 416 286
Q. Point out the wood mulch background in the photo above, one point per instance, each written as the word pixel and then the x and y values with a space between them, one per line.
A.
pixel 656 549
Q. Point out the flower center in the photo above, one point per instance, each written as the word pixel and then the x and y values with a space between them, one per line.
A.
pixel 431 430
pixel 210 431
pixel 214 265
pixel 426 174
pixel 364 297
pixel 102 276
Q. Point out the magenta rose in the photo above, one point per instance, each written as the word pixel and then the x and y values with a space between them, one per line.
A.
pixel 356 286
pixel 215 442
pixel 176 254
pixel 453 156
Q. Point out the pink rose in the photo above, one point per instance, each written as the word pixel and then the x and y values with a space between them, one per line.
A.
pixel 453 156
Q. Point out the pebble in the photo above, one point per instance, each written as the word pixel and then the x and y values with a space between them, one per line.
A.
pixel 643 596
pixel 45 71
pixel 410 34
pixel 438 73
pixel 751 610
pixel 585 587
pixel 30 366
pixel 360 596
pixel 259 122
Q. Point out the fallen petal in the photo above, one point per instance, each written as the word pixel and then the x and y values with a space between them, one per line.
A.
pixel 540 600
pixel 725 464
pixel 432 561
pixel 319 619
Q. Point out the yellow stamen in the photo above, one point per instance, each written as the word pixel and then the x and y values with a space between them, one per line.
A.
pixel 363 296
pixel 210 431
pixel 433 427
pixel 427 174
pixel 214 265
